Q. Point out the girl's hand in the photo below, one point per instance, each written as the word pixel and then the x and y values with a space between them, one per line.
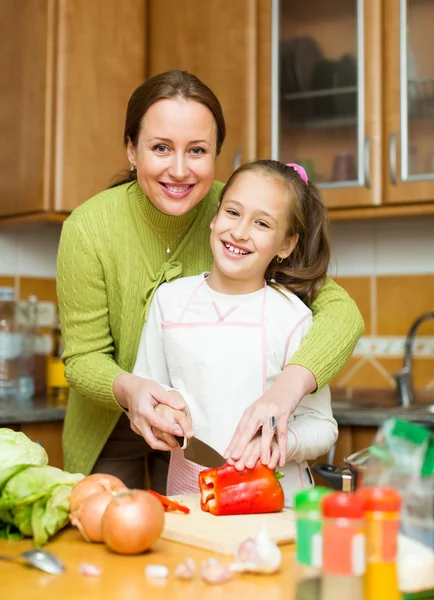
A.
pixel 279 401
pixel 170 415
pixel 252 454
pixel 140 397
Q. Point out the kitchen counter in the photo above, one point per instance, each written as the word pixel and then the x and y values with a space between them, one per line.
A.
pixel 346 413
pixel 35 410
pixel 123 576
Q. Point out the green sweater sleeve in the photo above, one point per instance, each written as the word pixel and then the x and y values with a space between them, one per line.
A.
pixel 88 355
pixel 337 326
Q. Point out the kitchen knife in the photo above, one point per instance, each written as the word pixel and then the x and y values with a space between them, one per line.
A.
pixel 200 453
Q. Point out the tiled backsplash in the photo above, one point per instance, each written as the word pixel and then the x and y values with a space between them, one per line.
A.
pixel 387 266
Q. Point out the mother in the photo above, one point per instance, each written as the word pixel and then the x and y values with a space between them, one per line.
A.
pixel 119 246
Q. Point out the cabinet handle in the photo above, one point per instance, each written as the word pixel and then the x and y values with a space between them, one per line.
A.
pixel 367 161
pixel 237 158
pixel 392 158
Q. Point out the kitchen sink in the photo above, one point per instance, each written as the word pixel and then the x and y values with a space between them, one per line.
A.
pixel 417 408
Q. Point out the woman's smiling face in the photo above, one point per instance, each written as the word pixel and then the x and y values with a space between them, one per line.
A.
pixel 175 154
pixel 248 231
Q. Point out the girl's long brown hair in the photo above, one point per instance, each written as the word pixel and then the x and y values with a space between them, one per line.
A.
pixel 305 269
pixel 172 84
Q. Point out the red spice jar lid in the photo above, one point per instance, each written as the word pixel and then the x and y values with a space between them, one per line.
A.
pixel 380 499
pixel 342 505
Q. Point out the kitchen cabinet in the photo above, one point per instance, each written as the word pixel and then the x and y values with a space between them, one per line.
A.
pixel 67 70
pixel 326 95
pixel 353 100
pixel 409 102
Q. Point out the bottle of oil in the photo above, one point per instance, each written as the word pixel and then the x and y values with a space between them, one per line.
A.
pixel 57 386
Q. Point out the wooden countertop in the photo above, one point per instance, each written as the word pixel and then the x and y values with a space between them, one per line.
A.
pixel 123 577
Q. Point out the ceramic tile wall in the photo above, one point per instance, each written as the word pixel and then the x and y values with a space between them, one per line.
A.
pixel 387 266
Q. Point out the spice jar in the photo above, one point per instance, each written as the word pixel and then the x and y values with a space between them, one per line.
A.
pixel 343 558
pixel 307 504
pixel 381 514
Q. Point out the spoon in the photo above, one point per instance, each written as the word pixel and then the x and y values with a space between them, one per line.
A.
pixel 40 559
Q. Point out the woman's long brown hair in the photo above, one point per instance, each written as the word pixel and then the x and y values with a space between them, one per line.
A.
pixel 305 269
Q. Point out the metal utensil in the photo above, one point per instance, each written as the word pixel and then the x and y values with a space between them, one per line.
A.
pixel 40 559
pixel 200 453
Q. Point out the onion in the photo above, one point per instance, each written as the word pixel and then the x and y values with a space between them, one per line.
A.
pixel 88 516
pixel 132 522
pixel 92 484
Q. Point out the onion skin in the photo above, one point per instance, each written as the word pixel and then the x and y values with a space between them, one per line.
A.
pixel 132 522
pixel 92 484
pixel 88 516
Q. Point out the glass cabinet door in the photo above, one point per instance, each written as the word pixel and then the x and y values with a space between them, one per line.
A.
pixel 318 94
pixel 417 89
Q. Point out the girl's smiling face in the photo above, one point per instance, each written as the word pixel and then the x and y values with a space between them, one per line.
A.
pixel 175 154
pixel 248 231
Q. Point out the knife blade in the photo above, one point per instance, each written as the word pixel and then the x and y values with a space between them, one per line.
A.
pixel 200 453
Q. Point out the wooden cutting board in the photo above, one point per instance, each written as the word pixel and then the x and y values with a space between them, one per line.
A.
pixel 223 534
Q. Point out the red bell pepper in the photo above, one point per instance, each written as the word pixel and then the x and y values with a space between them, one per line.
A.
pixel 226 491
pixel 168 504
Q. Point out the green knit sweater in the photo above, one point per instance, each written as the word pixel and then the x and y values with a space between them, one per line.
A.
pixel 109 264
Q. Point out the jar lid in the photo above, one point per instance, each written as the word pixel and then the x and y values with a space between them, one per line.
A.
pixel 342 504
pixel 7 294
pixel 311 498
pixel 380 499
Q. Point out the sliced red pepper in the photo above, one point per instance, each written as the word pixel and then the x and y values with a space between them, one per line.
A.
pixel 226 491
pixel 169 505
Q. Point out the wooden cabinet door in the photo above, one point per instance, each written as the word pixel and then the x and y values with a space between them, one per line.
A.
pixel 26 52
pixel 100 61
pixel 49 435
pixel 326 95
pixel 217 41
pixel 67 70
pixel 409 102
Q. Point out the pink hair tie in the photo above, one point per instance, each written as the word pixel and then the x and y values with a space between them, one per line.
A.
pixel 300 170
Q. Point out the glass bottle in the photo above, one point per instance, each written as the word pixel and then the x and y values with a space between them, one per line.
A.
pixel 10 345
pixel 57 386
pixel 26 380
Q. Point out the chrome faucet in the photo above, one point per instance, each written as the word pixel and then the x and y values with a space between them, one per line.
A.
pixel 404 377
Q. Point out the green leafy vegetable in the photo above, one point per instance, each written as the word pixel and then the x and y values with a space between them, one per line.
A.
pixel 34 497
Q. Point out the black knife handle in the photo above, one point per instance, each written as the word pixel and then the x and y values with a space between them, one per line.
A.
pixel 182 441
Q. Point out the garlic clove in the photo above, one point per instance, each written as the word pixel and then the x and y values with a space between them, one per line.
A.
pixel 214 572
pixel 258 554
pixel 186 570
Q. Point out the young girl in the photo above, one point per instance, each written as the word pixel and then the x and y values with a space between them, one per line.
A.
pixel 220 339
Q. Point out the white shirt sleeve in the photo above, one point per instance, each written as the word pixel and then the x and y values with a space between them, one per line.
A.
pixel 151 362
pixel 312 431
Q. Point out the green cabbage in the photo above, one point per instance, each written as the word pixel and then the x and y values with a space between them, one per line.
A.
pixel 17 449
pixel 34 497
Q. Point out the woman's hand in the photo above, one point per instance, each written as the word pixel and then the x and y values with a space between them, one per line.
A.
pixel 140 397
pixel 252 454
pixel 280 401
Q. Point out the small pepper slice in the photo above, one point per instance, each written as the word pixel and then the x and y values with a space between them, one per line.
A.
pixel 169 505
pixel 226 491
